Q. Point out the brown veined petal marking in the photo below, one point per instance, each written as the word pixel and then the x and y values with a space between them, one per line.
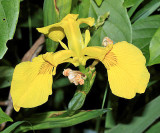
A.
pixel 127 73
pixel 32 83
pixel 110 60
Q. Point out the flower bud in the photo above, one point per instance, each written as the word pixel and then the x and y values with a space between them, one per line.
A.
pixel 75 77
pixel 106 41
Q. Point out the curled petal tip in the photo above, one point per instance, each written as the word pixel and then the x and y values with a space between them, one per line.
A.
pixel 16 108
pixel 42 30
pixel 91 21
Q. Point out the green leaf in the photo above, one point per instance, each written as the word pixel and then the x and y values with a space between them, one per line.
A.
pixel 142 120
pixel 57 119
pixel 154 49
pixel 96 38
pixel 62 82
pixel 98 2
pixel 84 9
pixel 154 129
pixel 12 127
pixel 53 12
pixel 74 7
pixel 148 9
pixel 129 3
pixel 117 27
pixel 4 117
pixel 9 12
pixel 77 101
pixel 64 7
pixel 50 16
pixel 132 10
pixel 6 73
pixel 143 30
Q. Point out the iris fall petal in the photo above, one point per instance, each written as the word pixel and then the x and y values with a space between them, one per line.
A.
pixel 127 73
pixel 32 83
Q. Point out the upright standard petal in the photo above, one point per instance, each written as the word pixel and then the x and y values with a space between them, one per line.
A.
pixel 127 73
pixel 73 33
pixel 55 31
pixel 32 83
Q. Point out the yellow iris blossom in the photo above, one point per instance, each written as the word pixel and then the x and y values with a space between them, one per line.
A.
pixel 32 81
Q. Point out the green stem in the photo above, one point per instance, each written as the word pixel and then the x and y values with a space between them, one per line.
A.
pixel 104 97
pixel 82 68
pixel 110 116
pixel 82 90
pixel 98 124
pixel 99 118
pixel 94 63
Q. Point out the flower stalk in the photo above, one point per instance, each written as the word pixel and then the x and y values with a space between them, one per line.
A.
pixel 82 90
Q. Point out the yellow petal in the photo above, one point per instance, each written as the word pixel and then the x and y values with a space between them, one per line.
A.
pixel 89 21
pixel 87 38
pixel 55 32
pixel 59 57
pixel 32 83
pixel 96 52
pixel 73 34
pixel 71 28
pixel 63 45
pixel 16 108
pixel 126 69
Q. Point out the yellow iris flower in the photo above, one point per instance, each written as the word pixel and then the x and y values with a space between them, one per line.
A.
pixel 32 81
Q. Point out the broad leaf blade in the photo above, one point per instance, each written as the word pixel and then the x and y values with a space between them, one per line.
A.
pixel 9 12
pixel 143 30
pixel 64 7
pixel 6 73
pixel 144 118
pixel 98 2
pixel 84 8
pixel 56 119
pixel 132 10
pixel 96 39
pixel 129 3
pixel 4 117
pixel 154 49
pixel 117 27
pixel 148 9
